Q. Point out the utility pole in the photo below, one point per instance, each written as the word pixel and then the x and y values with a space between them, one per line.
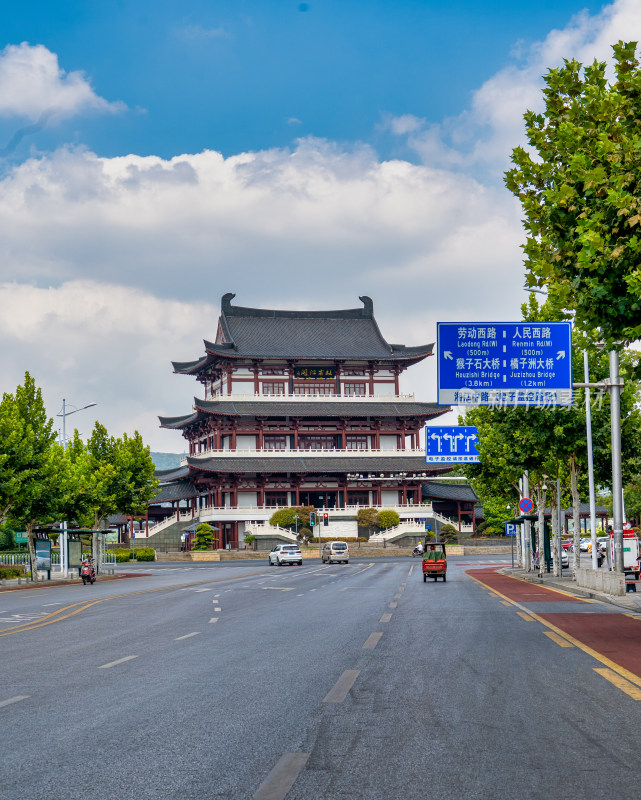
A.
pixel 617 482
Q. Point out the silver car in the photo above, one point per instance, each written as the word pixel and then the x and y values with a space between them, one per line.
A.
pixel 285 554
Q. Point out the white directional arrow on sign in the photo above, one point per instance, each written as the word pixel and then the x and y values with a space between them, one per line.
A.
pixel 448 355
pixel 560 354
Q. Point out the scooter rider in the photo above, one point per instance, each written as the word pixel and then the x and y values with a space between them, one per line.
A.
pixel 418 550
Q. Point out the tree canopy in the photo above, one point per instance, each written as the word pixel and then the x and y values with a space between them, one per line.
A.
pixel 580 188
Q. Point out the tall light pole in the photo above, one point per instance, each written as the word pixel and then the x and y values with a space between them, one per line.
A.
pixel 588 427
pixel 64 566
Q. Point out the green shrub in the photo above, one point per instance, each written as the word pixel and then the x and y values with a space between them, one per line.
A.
pixel 448 533
pixel 15 571
pixel 145 554
pixel 122 555
pixel 204 537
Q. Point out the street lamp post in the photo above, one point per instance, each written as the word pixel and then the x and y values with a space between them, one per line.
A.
pixel 64 561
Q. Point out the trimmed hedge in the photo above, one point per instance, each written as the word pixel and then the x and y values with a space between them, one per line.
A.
pixel 142 554
pixel 145 554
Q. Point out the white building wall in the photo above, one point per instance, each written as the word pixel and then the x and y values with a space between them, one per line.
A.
pixel 389 497
pixel 247 499
pixel 245 442
pixel 388 442
pixel 339 529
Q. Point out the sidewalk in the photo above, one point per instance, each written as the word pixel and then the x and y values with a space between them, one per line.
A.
pixel 631 601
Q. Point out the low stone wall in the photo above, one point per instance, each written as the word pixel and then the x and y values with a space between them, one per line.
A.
pixel 601 581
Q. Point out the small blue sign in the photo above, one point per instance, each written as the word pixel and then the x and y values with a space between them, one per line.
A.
pixel 456 443
pixel 504 363
pixel 510 529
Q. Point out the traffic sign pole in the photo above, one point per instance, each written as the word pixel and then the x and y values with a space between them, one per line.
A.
pixel 504 363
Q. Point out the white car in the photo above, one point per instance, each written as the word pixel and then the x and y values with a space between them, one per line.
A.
pixel 285 554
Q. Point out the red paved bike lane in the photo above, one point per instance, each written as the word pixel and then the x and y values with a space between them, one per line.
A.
pixel 614 636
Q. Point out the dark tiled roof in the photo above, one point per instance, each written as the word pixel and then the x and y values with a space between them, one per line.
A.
pixel 307 408
pixel 166 475
pixel 180 490
pixel 322 463
pixel 323 335
pixel 449 491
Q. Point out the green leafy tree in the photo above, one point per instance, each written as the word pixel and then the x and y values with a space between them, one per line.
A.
pixel 387 518
pixel 287 517
pixel 7 537
pixel 580 187
pixel 33 463
pixel 204 537
pixel 367 518
pixel 123 479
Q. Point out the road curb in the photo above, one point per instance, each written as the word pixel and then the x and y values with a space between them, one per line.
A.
pixel 568 586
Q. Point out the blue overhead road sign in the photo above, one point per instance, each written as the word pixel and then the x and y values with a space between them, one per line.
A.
pixel 504 363
pixel 457 443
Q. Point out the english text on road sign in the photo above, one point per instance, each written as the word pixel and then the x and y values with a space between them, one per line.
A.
pixel 457 443
pixel 526 506
pixel 504 363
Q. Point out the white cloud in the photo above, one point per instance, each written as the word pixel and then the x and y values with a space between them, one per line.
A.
pixel 111 268
pixel 97 342
pixel 32 84
pixel 483 136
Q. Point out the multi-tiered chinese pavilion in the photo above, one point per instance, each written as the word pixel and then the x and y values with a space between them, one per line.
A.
pixel 299 408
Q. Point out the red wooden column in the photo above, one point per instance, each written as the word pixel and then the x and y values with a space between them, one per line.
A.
pixel 259 443
pixel 233 435
pixel 296 423
pixel 256 386
pixel 396 389
pixel 371 381
pixel 229 374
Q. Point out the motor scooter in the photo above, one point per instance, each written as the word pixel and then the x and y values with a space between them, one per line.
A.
pixel 87 572
pixel 417 551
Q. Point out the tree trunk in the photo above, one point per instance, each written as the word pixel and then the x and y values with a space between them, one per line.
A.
pixel 32 550
pixel 576 516
pixel 554 505
pixel 539 496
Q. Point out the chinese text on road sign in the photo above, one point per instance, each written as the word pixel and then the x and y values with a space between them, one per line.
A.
pixel 504 363
pixel 454 444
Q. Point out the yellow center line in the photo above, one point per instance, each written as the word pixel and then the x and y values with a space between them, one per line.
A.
pixel 556 638
pixel 622 671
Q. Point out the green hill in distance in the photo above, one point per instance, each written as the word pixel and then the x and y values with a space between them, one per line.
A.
pixel 167 460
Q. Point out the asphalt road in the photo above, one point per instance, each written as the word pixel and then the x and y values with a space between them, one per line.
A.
pixel 306 683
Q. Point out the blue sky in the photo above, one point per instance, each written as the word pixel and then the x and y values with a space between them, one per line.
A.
pixel 154 156
pixel 235 75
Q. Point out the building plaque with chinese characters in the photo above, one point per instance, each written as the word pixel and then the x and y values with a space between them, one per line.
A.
pixel 314 373
pixel 504 363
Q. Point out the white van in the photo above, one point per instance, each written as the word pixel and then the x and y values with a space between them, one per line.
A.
pixel 335 551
